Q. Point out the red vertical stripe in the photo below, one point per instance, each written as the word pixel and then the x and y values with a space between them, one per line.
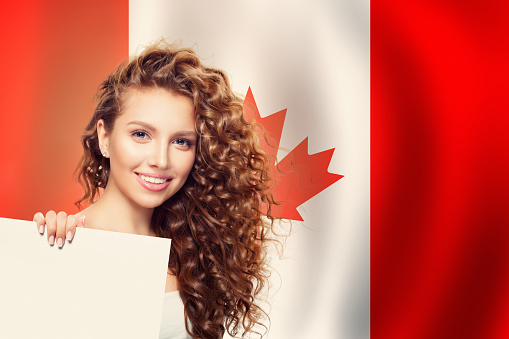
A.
pixel 440 158
pixel 54 55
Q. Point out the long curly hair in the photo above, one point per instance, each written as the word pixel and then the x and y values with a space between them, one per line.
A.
pixel 215 220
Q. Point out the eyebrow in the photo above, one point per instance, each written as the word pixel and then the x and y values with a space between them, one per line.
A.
pixel 187 134
pixel 143 124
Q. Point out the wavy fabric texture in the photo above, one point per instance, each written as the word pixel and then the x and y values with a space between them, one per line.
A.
pixel 54 56
pixel 440 259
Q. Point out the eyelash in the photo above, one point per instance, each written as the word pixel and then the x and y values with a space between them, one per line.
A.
pixel 137 134
pixel 187 142
pixel 180 142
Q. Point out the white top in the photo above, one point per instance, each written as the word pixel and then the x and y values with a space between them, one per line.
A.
pixel 172 321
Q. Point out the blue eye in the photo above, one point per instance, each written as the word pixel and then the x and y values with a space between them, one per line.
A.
pixel 182 142
pixel 140 135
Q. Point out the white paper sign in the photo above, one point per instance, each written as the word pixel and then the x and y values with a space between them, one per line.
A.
pixel 102 285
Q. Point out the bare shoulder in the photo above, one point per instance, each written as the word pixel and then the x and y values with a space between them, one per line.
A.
pixel 171 283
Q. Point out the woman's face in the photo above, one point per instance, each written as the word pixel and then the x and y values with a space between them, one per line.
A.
pixel 151 147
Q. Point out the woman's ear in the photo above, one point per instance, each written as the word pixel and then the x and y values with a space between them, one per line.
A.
pixel 103 137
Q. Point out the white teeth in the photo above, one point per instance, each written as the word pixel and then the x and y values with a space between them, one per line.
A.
pixel 153 180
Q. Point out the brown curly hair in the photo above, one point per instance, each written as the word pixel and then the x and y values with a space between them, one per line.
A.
pixel 214 221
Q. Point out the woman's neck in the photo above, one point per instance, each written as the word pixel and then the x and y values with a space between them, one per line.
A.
pixel 114 212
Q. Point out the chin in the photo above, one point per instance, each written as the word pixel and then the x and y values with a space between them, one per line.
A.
pixel 150 203
pixel 154 205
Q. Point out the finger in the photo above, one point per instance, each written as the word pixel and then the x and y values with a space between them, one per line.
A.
pixel 51 226
pixel 81 222
pixel 70 227
pixel 39 219
pixel 60 234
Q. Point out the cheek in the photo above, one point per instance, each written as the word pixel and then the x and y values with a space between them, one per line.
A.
pixel 185 163
pixel 125 152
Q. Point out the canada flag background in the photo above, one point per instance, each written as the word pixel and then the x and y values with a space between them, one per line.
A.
pixel 311 59
pixel 439 164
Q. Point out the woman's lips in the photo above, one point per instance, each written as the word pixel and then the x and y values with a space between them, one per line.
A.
pixel 159 184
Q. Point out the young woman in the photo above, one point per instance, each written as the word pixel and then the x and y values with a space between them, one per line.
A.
pixel 168 153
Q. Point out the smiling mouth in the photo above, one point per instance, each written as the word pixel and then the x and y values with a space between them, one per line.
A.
pixel 152 180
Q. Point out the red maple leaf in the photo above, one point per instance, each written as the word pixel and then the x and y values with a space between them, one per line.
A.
pixel 300 176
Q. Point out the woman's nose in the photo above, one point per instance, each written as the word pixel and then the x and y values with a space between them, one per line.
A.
pixel 159 156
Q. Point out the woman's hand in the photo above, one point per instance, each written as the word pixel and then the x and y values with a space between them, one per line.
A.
pixel 60 226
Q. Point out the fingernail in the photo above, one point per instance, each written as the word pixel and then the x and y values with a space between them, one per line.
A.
pixel 51 240
pixel 83 220
pixel 60 242
pixel 69 236
pixel 41 229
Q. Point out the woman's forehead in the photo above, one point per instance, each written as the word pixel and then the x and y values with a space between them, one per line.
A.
pixel 158 107
pixel 134 94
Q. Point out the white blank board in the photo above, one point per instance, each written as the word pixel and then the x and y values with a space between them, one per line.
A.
pixel 102 285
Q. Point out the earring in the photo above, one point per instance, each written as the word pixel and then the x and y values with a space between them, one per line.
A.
pixel 104 154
